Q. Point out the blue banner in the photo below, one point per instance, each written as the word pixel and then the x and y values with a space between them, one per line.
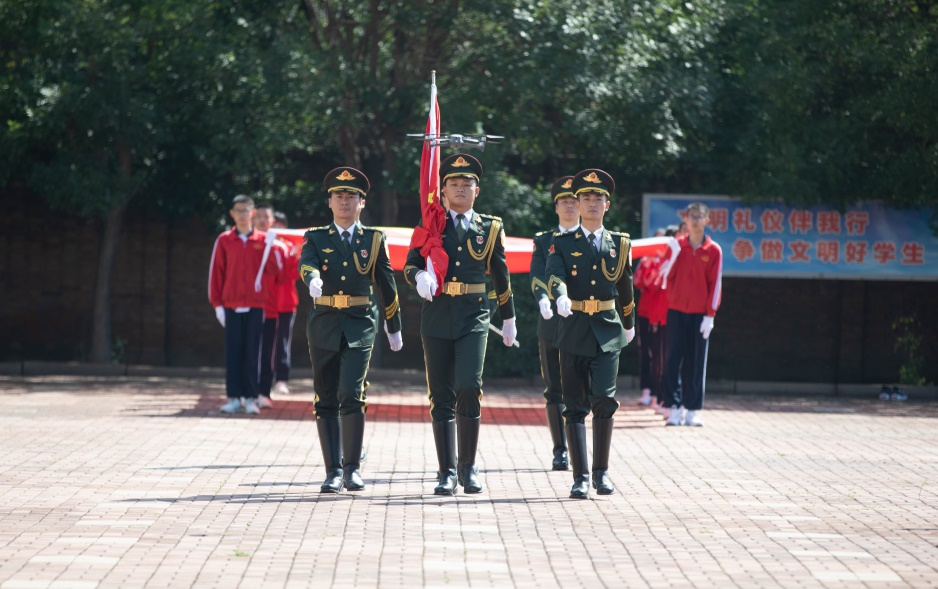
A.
pixel 866 241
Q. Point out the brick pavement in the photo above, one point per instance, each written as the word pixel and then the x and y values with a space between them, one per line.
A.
pixel 138 482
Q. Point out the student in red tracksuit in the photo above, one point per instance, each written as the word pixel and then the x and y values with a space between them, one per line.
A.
pixel 694 283
pixel 239 306
pixel 652 332
pixel 285 306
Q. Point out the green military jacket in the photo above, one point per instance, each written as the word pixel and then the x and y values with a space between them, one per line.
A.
pixel 366 263
pixel 481 251
pixel 577 270
pixel 546 328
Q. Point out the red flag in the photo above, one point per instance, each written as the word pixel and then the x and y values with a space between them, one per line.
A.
pixel 427 237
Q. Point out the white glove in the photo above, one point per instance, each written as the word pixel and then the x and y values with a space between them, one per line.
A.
pixel 666 267
pixel 220 314
pixel 315 287
pixel 396 341
pixel 509 332
pixel 426 285
pixel 546 311
pixel 629 335
pixel 563 306
pixel 706 326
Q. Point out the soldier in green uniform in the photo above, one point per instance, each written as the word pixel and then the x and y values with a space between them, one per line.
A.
pixel 454 325
pixel 339 263
pixel 568 214
pixel 590 275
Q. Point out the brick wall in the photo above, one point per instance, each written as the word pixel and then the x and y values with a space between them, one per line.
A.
pixel 775 330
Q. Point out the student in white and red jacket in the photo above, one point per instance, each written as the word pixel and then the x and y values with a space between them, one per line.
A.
pixel 239 306
pixel 694 280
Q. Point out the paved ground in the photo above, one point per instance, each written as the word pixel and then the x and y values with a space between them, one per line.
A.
pixel 136 482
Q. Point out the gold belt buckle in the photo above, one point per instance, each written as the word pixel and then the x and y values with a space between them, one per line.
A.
pixel 456 288
pixel 341 301
pixel 591 306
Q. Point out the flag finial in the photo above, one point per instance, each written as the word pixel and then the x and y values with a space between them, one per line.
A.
pixel 433 77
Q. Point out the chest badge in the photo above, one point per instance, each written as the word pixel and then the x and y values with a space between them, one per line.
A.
pixel 364 253
pixel 576 254
pixel 479 239
pixel 612 253
pixel 573 273
pixel 328 250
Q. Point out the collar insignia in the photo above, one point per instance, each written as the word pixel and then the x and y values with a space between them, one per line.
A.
pixel 460 163
pixel 345 176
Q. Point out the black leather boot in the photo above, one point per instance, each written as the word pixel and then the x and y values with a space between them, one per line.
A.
pixel 576 438
pixel 353 430
pixel 330 440
pixel 444 436
pixel 602 441
pixel 555 423
pixel 467 436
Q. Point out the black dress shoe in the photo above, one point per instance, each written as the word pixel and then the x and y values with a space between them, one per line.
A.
pixel 602 483
pixel 581 487
pixel 333 483
pixel 560 460
pixel 447 484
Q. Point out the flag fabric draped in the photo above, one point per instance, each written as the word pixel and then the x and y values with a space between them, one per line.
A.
pixel 428 237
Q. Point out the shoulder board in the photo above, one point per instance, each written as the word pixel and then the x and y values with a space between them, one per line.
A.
pixel 491 217
pixel 540 233
pixel 322 228
pixel 618 234
pixel 564 234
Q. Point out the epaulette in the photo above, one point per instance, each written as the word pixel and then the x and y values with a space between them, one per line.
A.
pixel 540 233
pixel 489 216
pixel 564 234
pixel 367 228
pixel 322 228
pixel 619 234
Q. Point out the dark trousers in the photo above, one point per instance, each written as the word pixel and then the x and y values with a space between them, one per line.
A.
pixel 644 353
pixel 454 375
pixel 242 352
pixel 589 384
pixel 339 380
pixel 657 339
pixel 275 350
pixel 687 360
pixel 550 371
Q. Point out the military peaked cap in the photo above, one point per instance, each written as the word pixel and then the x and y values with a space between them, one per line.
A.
pixel 346 178
pixel 461 165
pixel 562 187
pixel 593 180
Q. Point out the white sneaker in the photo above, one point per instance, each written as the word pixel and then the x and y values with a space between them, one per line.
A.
pixel 693 419
pixel 281 388
pixel 675 416
pixel 232 406
pixel 250 407
pixel 264 402
pixel 646 398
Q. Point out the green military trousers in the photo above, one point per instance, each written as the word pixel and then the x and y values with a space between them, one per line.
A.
pixel 589 384
pixel 454 374
pixel 339 380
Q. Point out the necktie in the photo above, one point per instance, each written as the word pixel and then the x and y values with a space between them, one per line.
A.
pixel 460 230
pixel 592 240
pixel 346 241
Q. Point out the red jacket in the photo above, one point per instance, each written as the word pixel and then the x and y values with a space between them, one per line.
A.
pixel 653 304
pixel 695 283
pixel 281 287
pixel 234 268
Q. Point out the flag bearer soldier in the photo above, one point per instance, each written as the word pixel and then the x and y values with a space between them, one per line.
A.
pixel 568 215
pixel 590 275
pixel 455 324
pixel 339 263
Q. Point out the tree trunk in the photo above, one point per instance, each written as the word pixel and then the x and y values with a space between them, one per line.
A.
pixel 101 316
